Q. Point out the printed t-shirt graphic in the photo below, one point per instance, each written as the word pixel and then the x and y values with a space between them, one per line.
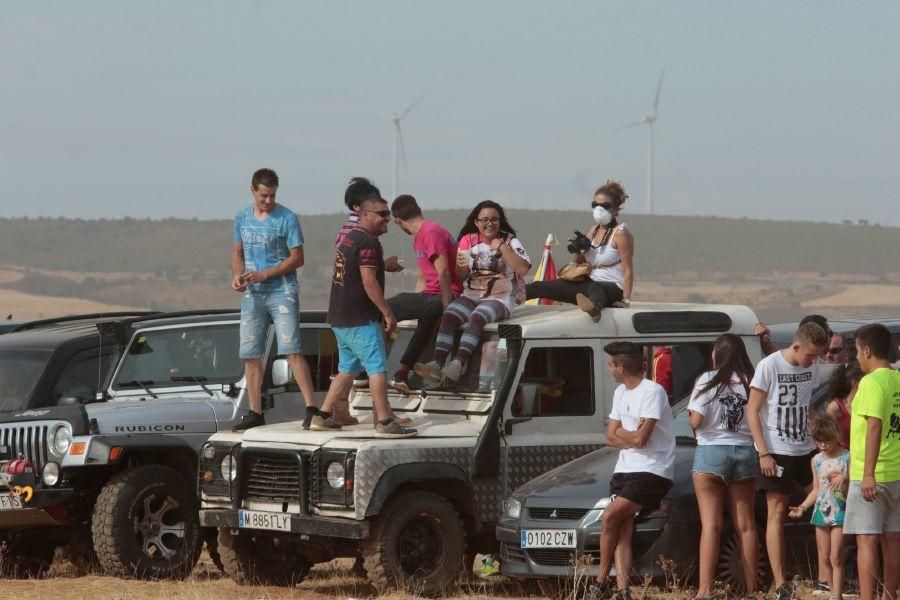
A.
pixel 724 412
pixel 490 276
pixel 266 243
pixel 788 392
pixel 432 241
pixel 878 395
pixel 349 305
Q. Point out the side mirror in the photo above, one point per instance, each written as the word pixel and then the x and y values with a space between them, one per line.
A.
pixel 281 372
pixel 531 399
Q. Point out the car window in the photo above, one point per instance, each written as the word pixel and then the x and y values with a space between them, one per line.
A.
pixel 179 357
pixel 676 367
pixel 20 371
pixel 556 382
pixel 84 375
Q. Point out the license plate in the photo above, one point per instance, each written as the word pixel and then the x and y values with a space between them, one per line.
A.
pixel 548 538
pixel 10 502
pixel 254 519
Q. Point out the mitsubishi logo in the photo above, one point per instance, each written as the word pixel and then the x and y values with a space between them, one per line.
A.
pixel 553 515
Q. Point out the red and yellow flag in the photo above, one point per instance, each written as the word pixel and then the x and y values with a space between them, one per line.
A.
pixel 546 270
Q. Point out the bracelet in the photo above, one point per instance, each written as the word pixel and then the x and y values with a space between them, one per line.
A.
pixel 766 453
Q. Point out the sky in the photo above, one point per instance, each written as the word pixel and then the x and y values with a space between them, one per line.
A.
pixel 164 109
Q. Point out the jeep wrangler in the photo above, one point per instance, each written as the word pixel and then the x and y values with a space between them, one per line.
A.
pixel 535 396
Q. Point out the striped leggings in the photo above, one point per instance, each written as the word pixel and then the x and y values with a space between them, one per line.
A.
pixel 475 314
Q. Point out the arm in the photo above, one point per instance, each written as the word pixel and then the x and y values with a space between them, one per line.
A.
pixel 639 438
pixel 442 266
pixel 293 262
pixel 832 410
pixel 695 419
pixel 376 295
pixel 420 283
pixel 612 437
pixel 754 405
pixel 519 265
pixel 237 268
pixel 873 447
pixel 797 511
pixel 625 246
pixel 765 339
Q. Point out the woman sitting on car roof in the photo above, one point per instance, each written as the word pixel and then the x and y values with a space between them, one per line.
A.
pixel 602 274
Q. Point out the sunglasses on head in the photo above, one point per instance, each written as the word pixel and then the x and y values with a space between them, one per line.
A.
pixel 606 205
pixel 833 351
pixel 384 214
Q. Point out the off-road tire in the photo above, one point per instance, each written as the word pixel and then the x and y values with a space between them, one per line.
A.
pixel 405 519
pixel 80 552
pixel 114 525
pixel 252 559
pixel 211 539
pixel 730 571
pixel 25 559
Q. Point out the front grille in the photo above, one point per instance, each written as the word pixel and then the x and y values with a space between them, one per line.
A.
pixel 26 441
pixel 272 477
pixel 510 552
pixel 553 514
pixel 552 557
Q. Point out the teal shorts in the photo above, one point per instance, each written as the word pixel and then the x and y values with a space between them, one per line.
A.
pixel 361 348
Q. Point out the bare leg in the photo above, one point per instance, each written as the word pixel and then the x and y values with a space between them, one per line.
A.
pixel 378 389
pixel 867 564
pixel 710 499
pixel 339 388
pixel 777 505
pixel 835 558
pixel 890 545
pixel 623 553
pixel 823 547
pixel 253 373
pixel 303 377
pixel 613 517
pixel 741 498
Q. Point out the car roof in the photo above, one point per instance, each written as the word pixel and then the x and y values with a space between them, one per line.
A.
pixel 641 319
pixel 210 316
pixel 783 333
pixel 48 338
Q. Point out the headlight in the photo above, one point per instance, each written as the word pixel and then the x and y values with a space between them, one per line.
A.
pixel 335 475
pixel 229 468
pixel 208 452
pixel 512 508
pixel 50 475
pixel 60 440
pixel 603 503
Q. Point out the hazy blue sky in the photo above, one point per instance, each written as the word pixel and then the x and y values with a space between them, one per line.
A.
pixel 153 109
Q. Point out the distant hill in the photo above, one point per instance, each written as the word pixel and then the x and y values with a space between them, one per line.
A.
pixel 175 263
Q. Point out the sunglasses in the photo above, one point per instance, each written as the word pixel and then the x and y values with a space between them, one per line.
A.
pixel 833 351
pixel 606 205
pixel 384 214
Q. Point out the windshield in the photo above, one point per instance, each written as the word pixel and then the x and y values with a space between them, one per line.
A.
pixel 483 373
pixel 19 372
pixel 180 357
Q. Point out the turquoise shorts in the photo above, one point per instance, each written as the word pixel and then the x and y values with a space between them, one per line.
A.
pixel 361 348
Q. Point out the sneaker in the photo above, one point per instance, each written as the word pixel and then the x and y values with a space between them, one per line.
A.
pixel 623 594
pixel 311 411
pixel 429 371
pixel 401 385
pixel 820 588
pixel 393 429
pixel 345 419
pixel 595 592
pixel 585 304
pixel 361 382
pixel 785 591
pixel 251 419
pixel 453 371
pixel 321 422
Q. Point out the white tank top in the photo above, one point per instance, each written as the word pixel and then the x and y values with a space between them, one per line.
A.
pixel 607 262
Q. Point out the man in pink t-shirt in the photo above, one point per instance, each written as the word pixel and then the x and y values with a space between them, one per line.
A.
pixel 435 252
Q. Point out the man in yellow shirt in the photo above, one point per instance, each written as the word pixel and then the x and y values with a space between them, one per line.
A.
pixel 873 501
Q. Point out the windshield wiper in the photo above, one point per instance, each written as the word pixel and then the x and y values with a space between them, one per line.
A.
pixel 142 384
pixel 198 380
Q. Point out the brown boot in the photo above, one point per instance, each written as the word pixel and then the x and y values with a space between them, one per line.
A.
pixel 585 304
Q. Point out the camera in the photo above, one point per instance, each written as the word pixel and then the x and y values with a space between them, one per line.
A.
pixel 578 243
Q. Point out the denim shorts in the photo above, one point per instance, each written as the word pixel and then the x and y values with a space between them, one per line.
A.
pixel 284 307
pixel 730 463
pixel 361 348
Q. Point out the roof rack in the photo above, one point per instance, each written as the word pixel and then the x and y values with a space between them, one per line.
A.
pixel 187 313
pixel 83 317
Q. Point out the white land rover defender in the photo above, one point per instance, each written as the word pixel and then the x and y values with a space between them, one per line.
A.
pixel 535 396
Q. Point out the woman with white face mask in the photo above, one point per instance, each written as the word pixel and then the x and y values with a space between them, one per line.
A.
pixel 610 256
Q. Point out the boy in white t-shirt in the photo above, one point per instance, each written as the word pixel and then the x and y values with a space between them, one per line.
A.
pixel 640 425
pixel 778 412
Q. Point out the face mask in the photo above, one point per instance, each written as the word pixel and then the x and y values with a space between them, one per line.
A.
pixel 602 216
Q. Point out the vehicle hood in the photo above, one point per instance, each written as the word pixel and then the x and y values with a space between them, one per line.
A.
pixel 429 426
pixel 159 415
pixel 587 478
pixel 74 415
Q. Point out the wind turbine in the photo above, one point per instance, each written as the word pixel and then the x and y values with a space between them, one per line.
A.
pixel 649 120
pixel 399 151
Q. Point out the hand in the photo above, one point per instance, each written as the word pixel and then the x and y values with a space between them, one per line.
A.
pixel 254 277
pixel 768 466
pixel 762 331
pixel 462 259
pixel 390 322
pixel 620 304
pixel 868 488
pixel 392 264
pixel 836 481
pixel 796 512
pixel 237 285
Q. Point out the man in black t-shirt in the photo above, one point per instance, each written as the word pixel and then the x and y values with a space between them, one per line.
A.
pixel 360 316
